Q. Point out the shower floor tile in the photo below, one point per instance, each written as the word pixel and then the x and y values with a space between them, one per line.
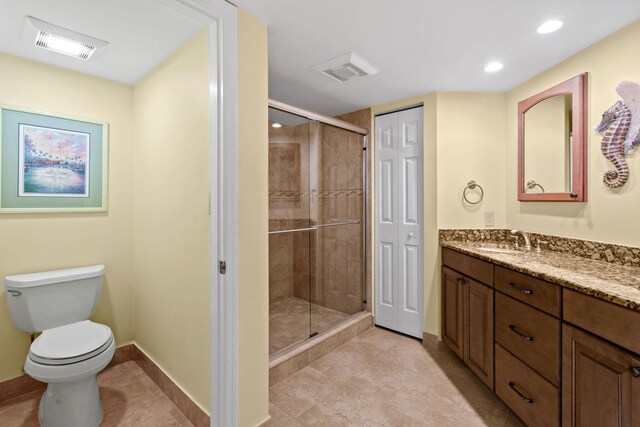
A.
pixel 386 379
pixel 129 398
pixel 291 319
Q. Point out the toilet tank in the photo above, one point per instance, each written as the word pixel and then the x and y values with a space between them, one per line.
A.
pixel 46 300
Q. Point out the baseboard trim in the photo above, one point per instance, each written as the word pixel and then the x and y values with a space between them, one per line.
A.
pixel 24 384
pixel 16 387
pixel 176 395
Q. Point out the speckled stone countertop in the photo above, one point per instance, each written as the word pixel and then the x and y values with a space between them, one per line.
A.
pixel 608 281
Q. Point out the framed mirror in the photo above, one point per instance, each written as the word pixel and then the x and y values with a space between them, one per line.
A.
pixel 552 144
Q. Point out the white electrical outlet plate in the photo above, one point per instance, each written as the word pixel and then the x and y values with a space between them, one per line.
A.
pixel 490 219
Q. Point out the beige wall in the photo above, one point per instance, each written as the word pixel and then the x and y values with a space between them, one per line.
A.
pixel 41 242
pixel 253 244
pixel 171 220
pixel 471 133
pixel 609 215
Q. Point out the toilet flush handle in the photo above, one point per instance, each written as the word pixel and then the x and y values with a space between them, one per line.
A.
pixel 14 293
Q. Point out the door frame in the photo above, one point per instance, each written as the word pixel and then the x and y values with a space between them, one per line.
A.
pixel 221 19
pixel 223 107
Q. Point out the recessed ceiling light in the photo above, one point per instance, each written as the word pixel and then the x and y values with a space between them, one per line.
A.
pixel 550 26
pixel 492 67
pixel 62 40
pixel 276 125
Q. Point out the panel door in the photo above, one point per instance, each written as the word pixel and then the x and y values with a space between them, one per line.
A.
pixel 399 247
pixel 601 382
pixel 410 233
pixel 478 330
pixel 452 310
pixel 387 185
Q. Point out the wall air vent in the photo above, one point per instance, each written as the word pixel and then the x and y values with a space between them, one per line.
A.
pixel 62 40
pixel 346 67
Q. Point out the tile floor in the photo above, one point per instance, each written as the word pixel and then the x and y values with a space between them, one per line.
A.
pixel 291 320
pixel 129 398
pixel 385 379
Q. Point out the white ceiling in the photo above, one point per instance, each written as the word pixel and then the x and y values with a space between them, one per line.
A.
pixel 141 33
pixel 419 46
pixel 422 46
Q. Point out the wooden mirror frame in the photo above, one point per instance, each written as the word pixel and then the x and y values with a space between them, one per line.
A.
pixel 577 88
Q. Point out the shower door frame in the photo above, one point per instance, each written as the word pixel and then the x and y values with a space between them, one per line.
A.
pixel 313 116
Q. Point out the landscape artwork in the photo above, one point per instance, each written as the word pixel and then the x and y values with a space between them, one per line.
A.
pixel 53 162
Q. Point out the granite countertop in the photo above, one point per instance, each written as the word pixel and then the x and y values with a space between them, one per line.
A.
pixel 615 283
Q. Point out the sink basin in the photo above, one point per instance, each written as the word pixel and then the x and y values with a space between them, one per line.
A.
pixel 497 249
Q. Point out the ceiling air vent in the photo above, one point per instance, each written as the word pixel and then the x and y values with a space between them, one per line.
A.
pixel 346 67
pixel 62 40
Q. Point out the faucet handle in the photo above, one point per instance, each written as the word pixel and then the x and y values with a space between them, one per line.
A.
pixel 515 241
pixel 538 248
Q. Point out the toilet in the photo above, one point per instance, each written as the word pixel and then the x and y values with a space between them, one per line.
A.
pixel 71 350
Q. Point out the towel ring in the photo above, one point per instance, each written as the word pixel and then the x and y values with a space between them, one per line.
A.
pixel 531 184
pixel 471 185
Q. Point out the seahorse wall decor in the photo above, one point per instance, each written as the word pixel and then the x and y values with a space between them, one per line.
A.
pixel 621 127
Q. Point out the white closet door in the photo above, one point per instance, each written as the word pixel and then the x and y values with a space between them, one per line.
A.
pixel 399 259
pixel 387 292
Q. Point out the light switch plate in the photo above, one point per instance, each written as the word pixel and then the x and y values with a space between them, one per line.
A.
pixel 489 219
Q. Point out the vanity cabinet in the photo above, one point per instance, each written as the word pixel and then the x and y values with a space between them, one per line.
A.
pixel 601 379
pixel 467 312
pixel 562 357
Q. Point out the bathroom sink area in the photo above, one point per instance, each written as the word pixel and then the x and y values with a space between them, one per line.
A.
pixel 488 247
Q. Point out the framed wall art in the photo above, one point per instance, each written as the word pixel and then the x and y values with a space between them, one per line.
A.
pixel 51 163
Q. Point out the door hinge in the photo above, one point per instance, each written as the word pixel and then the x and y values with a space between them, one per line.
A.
pixel 223 267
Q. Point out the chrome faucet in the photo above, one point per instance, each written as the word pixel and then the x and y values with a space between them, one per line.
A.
pixel 525 236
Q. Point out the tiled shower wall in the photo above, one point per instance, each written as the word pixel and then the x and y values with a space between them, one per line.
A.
pixel 289 209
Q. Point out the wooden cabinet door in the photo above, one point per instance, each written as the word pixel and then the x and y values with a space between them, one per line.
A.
pixel 452 310
pixel 478 330
pixel 601 386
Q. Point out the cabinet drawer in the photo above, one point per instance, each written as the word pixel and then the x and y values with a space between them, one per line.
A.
pixel 528 289
pixel 530 334
pixel 535 400
pixel 475 268
pixel 612 322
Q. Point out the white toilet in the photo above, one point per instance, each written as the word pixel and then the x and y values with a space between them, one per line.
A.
pixel 71 349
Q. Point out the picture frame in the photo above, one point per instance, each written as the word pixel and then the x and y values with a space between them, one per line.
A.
pixel 52 163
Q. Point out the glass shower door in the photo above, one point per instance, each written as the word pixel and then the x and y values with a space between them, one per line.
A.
pixel 337 210
pixel 291 230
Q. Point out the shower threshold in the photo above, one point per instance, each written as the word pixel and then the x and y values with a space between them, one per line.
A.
pixel 295 357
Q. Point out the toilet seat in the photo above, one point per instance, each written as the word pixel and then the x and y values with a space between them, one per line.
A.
pixel 71 343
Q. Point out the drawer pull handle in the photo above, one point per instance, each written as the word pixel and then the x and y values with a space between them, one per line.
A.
pixel 517 332
pixel 512 386
pixel 524 291
pixel 461 281
pixel 635 371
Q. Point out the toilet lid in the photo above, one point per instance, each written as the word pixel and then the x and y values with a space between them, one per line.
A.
pixel 71 343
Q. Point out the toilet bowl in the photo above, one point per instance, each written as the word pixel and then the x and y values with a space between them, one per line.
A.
pixel 71 350
pixel 68 358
